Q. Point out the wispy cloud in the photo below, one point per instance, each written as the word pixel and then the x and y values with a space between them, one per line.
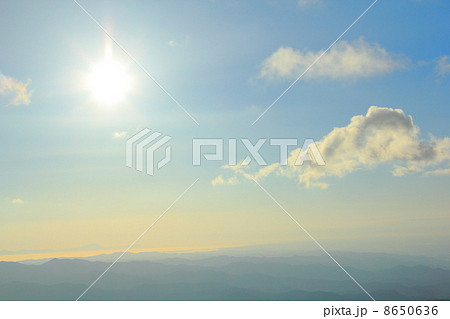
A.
pixel 383 135
pixel 443 65
pixel 438 172
pixel 15 90
pixel 120 134
pixel 307 3
pixel 345 60
pixel 219 180
pixel 17 201
pixel 179 42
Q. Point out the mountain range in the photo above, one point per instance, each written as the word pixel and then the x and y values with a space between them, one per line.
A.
pixel 211 276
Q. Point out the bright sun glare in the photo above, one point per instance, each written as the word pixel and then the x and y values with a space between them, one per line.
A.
pixel 108 81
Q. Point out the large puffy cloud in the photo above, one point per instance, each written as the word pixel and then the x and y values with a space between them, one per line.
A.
pixel 383 135
pixel 344 60
pixel 15 90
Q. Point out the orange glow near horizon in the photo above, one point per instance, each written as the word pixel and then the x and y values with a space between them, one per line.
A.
pixel 82 254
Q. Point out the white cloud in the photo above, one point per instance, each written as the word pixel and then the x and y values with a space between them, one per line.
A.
pixel 437 172
pixel 17 201
pixel 443 65
pixel 219 180
pixel 307 3
pixel 120 134
pixel 16 90
pixel 243 171
pixel 180 41
pixel 344 60
pixel 382 136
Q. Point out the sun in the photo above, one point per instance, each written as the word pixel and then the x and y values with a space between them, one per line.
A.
pixel 108 81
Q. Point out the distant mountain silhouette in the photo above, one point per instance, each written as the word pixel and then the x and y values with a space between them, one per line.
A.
pixel 224 278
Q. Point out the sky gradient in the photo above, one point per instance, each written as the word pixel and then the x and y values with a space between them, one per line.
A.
pixel 376 103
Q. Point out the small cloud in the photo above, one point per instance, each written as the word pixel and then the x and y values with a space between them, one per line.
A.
pixel 16 90
pixel 254 108
pixel 344 60
pixel 438 172
pixel 219 180
pixel 120 134
pixel 443 65
pixel 180 41
pixel 17 201
pixel 401 170
pixel 307 3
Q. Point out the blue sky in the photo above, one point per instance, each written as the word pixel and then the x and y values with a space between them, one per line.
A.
pixel 62 171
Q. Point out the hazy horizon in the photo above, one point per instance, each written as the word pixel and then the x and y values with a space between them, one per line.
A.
pixel 235 127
